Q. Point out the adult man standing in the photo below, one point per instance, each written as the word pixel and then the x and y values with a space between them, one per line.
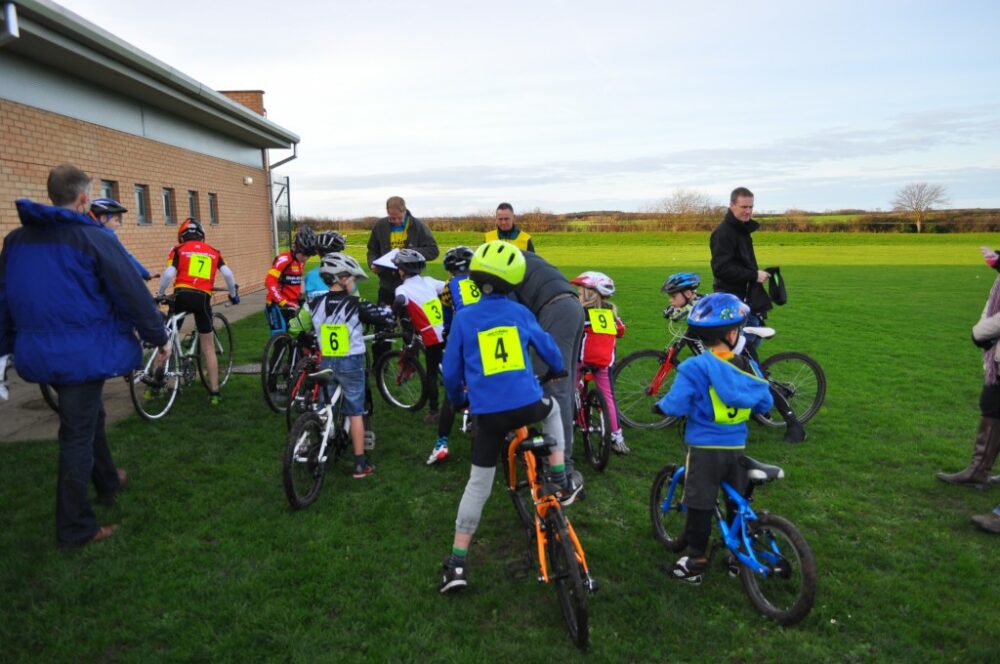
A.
pixel 73 329
pixel 735 270
pixel 508 231
pixel 398 230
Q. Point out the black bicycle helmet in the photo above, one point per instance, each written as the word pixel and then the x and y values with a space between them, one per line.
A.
pixel 103 206
pixel 457 259
pixel 305 241
pixel 410 261
pixel 330 242
pixel 190 230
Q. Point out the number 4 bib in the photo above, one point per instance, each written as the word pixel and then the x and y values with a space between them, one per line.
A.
pixel 500 350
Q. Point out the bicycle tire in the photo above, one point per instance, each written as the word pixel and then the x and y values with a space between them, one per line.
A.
pixel 631 379
pixel 401 380
pixel 800 379
pixel 151 402
pixel 596 430
pixel 667 510
pixel 50 396
pixel 222 340
pixel 567 574
pixel 302 471
pixel 303 396
pixel 276 370
pixel 787 594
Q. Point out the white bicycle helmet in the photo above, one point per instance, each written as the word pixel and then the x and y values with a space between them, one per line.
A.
pixel 337 264
pixel 600 282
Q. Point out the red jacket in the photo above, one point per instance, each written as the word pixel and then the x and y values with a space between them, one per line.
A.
pixel 601 328
pixel 284 280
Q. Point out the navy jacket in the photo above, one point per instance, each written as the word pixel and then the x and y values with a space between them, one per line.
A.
pixel 71 300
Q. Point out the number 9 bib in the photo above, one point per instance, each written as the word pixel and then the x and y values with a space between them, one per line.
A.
pixel 602 321
pixel 727 414
pixel 500 350
pixel 334 340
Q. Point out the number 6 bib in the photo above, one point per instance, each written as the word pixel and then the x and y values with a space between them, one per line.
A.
pixel 334 340
pixel 500 350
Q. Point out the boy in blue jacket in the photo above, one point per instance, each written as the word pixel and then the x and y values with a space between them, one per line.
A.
pixel 487 365
pixel 716 391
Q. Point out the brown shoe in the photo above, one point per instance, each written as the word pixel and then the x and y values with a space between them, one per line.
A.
pixel 122 484
pixel 988 522
pixel 103 533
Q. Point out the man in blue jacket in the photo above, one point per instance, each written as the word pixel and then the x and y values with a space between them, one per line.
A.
pixel 70 300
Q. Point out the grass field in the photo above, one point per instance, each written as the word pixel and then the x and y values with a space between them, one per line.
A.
pixel 211 565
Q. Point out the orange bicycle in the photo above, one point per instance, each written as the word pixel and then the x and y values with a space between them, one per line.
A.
pixel 552 542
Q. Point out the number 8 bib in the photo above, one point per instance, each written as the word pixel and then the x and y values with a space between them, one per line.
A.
pixel 334 340
pixel 500 350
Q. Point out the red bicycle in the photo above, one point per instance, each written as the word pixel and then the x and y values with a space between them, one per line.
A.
pixel 592 419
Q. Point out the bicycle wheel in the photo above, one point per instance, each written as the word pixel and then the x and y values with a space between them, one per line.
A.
pixel 798 378
pixel 401 380
pixel 596 430
pixel 303 471
pixel 567 573
pixel 154 391
pixel 222 339
pixel 50 395
pixel 276 369
pixel 303 395
pixel 666 509
pixel 632 379
pixel 786 591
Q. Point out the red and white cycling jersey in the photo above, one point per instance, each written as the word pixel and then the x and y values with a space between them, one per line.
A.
pixel 284 280
pixel 423 304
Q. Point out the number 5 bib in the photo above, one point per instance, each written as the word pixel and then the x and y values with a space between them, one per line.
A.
pixel 500 350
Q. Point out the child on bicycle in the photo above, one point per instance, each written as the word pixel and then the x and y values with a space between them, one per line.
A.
pixel 418 298
pixel 487 365
pixel 339 319
pixel 326 243
pixel 459 293
pixel 682 288
pixel 601 329
pixel 283 281
pixel 717 392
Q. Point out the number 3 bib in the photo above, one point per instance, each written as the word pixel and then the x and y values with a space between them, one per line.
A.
pixel 500 350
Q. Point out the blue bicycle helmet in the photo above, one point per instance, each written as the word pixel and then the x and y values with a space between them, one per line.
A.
pixel 718 311
pixel 681 281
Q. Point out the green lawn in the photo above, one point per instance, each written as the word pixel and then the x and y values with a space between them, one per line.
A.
pixel 211 565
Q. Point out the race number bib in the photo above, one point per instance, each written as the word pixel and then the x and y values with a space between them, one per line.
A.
pixel 469 290
pixel 435 314
pixel 200 266
pixel 334 340
pixel 500 350
pixel 727 414
pixel 602 321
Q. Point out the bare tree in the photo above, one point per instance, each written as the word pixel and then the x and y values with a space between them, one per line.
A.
pixel 687 202
pixel 918 198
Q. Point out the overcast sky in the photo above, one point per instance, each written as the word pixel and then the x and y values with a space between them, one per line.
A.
pixel 580 105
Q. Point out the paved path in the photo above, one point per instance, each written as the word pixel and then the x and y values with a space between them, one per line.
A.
pixel 27 417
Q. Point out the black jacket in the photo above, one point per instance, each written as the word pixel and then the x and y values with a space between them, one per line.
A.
pixel 734 264
pixel 418 236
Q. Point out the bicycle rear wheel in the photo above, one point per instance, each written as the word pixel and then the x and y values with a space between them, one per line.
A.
pixel 154 391
pixel 798 378
pixel 222 340
pixel 633 377
pixel 666 509
pixel 786 591
pixel 567 573
pixel 276 369
pixel 401 380
pixel 50 396
pixel 302 470
pixel 596 430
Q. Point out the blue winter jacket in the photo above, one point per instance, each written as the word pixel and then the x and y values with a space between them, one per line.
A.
pixel 477 333
pixel 690 396
pixel 71 300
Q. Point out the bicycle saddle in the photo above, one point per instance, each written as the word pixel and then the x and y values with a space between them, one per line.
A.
pixel 762 332
pixel 761 472
pixel 539 443
pixel 323 376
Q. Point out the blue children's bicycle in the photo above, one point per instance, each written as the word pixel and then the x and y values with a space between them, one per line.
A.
pixel 768 553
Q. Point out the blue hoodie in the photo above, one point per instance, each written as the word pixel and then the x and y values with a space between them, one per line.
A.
pixel 70 299
pixel 715 422
pixel 486 332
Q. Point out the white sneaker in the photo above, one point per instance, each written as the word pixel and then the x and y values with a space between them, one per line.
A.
pixel 440 452
pixel 618 445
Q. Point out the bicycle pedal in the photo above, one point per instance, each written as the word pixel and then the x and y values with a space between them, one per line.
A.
pixel 517 569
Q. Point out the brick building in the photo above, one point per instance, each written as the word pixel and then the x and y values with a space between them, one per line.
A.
pixel 156 140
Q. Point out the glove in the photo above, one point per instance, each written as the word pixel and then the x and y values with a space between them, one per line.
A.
pixel 985 344
pixel 234 299
pixel 553 375
pixel 6 361
pixel 289 310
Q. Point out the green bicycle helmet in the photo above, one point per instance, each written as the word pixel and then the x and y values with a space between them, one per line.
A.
pixel 497 266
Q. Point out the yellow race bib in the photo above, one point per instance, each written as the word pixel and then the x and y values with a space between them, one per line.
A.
pixel 334 340
pixel 200 266
pixel 602 321
pixel 435 314
pixel 500 350
pixel 726 414
pixel 470 291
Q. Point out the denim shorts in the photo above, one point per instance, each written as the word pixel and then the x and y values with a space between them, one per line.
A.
pixel 349 373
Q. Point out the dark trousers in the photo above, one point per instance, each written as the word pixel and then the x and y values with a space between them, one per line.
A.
pixel 84 457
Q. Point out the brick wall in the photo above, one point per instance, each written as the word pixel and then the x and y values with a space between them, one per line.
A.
pixel 252 99
pixel 32 141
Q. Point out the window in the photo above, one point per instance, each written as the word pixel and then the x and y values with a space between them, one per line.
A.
pixel 193 204
pixel 169 206
pixel 213 209
pixel 142 203
pixel 109 189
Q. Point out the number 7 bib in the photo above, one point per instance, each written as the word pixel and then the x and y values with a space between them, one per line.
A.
pixel 500 350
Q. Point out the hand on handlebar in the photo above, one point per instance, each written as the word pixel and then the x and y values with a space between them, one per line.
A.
pixel 163 352
pixel 553 376
pixel 234 299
